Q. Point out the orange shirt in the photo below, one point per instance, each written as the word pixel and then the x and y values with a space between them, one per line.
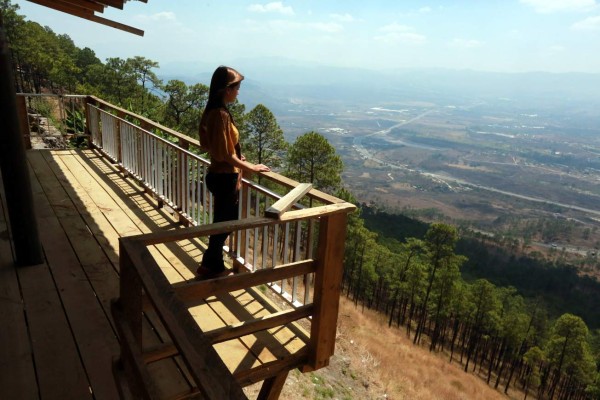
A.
pixel 222 138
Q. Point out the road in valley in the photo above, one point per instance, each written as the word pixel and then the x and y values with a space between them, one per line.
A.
pixel 366 154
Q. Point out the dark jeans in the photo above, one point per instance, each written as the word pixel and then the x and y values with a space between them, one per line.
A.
pixel 225 194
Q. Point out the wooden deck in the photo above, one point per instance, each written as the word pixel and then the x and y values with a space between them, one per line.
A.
pixel 58 339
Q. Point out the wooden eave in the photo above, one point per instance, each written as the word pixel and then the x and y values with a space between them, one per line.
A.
pixel 87 9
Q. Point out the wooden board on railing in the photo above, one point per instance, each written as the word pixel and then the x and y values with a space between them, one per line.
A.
pixel 287 201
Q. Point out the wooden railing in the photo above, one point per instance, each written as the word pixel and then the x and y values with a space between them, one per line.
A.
pixel 175 175
pixel 143 283
pixel 297 253
pixel 51 117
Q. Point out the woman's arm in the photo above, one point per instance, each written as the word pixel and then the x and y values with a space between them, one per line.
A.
pixel 245 165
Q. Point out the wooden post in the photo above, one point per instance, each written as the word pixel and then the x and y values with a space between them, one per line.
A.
pixel 24 120
pixel 15 173
pixel 328 284
pixel 88 122
pixel 271 387
pixel 130 297
pixel 184 144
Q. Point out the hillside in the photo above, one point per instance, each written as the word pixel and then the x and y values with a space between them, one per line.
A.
pixel 373 361
pixel 563 287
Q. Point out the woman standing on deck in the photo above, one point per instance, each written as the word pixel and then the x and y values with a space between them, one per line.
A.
pixel 220 137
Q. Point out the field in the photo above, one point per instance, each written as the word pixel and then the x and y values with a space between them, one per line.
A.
pixel 493 167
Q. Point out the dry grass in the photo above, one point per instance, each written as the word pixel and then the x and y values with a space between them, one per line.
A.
pixel 397 368
pixel 374 362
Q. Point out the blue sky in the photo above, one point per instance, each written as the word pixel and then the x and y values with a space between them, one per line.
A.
pixel 485 35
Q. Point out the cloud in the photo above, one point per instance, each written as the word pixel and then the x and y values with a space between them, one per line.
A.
pixel 466 43
pixel 342 17
pixel 588 24
pixel 275 6
pixel 425 10
pixel 551 6
pixel 396 33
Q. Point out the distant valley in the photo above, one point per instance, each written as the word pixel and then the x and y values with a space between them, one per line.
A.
pixel 514 156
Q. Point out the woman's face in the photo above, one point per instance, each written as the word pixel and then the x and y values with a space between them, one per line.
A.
pixel 231 93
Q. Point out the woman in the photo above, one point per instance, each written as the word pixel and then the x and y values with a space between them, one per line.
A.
pixel 220 137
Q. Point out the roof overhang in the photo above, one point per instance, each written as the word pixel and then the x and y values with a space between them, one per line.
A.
pixel 87 9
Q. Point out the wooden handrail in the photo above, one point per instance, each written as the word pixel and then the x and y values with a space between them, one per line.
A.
pixel 248 223
pixel 287 201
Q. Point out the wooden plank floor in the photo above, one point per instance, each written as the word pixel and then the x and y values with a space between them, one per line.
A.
pixel 58 339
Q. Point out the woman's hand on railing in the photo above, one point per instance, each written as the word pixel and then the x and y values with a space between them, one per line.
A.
pixel 260 168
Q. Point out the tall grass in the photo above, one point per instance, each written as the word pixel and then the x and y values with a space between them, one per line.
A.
pixel 397 368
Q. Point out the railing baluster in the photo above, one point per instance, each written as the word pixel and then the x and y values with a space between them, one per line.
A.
pixel 184 184
pixel 286 237
pixel 206 206
pixel 265 239
pixel 248 213
pixel 255 251
pixel 296 258
pixel 198 197
pixel 275 245
pixel 156 168
pixel 309 254
pixel 167 172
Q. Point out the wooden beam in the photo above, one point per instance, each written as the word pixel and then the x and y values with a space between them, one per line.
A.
pixel 117 25
pixel 270 369
pixel 64 7
pixel 132 360
pixel 24 121
pixel 271 387
pixel 287 201
pixel 235 331
pixel 195 291
pixel 113 3
pixel 88 14
pixel 258 324
pixel 14 168
pixel 328 284
pixel 205 366
pixel 159 352
pixel 85 4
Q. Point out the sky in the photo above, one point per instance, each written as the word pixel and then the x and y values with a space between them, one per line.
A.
pixel 482 35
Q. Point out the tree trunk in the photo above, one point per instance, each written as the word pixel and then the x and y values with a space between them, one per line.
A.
pixel 454 336
pixel 393 309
